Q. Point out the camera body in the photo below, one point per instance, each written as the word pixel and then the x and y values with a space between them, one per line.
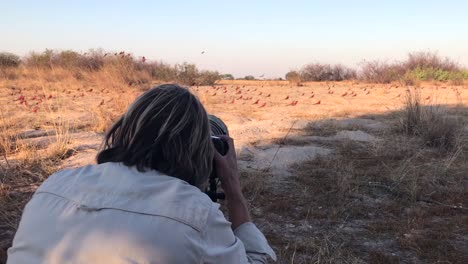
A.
pixel 220 145
pixel 218 128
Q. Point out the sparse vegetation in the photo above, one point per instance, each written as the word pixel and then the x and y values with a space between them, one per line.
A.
pixel 124 66
pixel 419 66
pixel 249 78
pixel 293 77
pixel 431 123
pixel 326 72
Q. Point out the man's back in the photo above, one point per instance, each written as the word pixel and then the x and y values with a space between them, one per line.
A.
pixel 111 213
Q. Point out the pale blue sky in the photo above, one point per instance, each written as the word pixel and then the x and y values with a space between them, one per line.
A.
pixel 241 37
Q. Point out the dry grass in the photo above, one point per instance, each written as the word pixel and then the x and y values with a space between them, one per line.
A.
pixel 385 202
pixel 24 167
pixel 33 144
pixel 432 123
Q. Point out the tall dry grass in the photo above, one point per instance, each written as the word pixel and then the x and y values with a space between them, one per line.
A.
pixel 430 122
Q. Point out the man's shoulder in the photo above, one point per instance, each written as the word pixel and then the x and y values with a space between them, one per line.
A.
pixel 115 186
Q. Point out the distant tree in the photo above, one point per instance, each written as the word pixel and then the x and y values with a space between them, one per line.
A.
pixel 249 78
pixel 293 77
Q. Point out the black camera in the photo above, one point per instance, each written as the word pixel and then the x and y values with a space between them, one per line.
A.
pixel 218 128
pixel 220 145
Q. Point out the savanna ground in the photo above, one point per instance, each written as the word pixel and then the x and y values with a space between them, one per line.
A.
pixel 343 172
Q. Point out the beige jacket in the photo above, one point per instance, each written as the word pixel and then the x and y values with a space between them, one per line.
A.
pixel 111 213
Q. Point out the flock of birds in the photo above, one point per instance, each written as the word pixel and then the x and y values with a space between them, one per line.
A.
pixel 233 94
pixel 245 94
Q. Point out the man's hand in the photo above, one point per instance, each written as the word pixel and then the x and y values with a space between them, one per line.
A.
pixel 226 169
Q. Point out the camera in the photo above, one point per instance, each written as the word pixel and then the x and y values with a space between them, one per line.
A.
pixel 220 145
pixel 218 128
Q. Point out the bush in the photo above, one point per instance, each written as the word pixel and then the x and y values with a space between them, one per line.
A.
pixel 40 60
pixel 410 79
pixel 249 78
pixel 9 60
pixel 163 72
pixel 227 77
pixel 293 77
pixel 326 72
pixel 381 72
pixel 429 60
pixel 207 77
pixel 419 66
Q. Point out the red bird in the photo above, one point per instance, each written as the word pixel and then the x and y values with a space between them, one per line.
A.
pixel 287 97
pixel 268 95
pixel 213 94
pixel 312 96
pixel 256 102
pixel 427 98
pixel 317 103
pixel 90 90
pixel 346 93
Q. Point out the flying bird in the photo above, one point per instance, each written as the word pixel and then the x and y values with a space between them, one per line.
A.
pixel 203 52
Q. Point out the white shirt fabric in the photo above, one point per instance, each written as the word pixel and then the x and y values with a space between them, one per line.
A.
pixel 110 213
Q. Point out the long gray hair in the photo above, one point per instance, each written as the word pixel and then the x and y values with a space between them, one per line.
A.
pixel 165 129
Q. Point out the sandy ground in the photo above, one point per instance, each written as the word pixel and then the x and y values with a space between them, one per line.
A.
pixel 260 118
pixel 252 113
